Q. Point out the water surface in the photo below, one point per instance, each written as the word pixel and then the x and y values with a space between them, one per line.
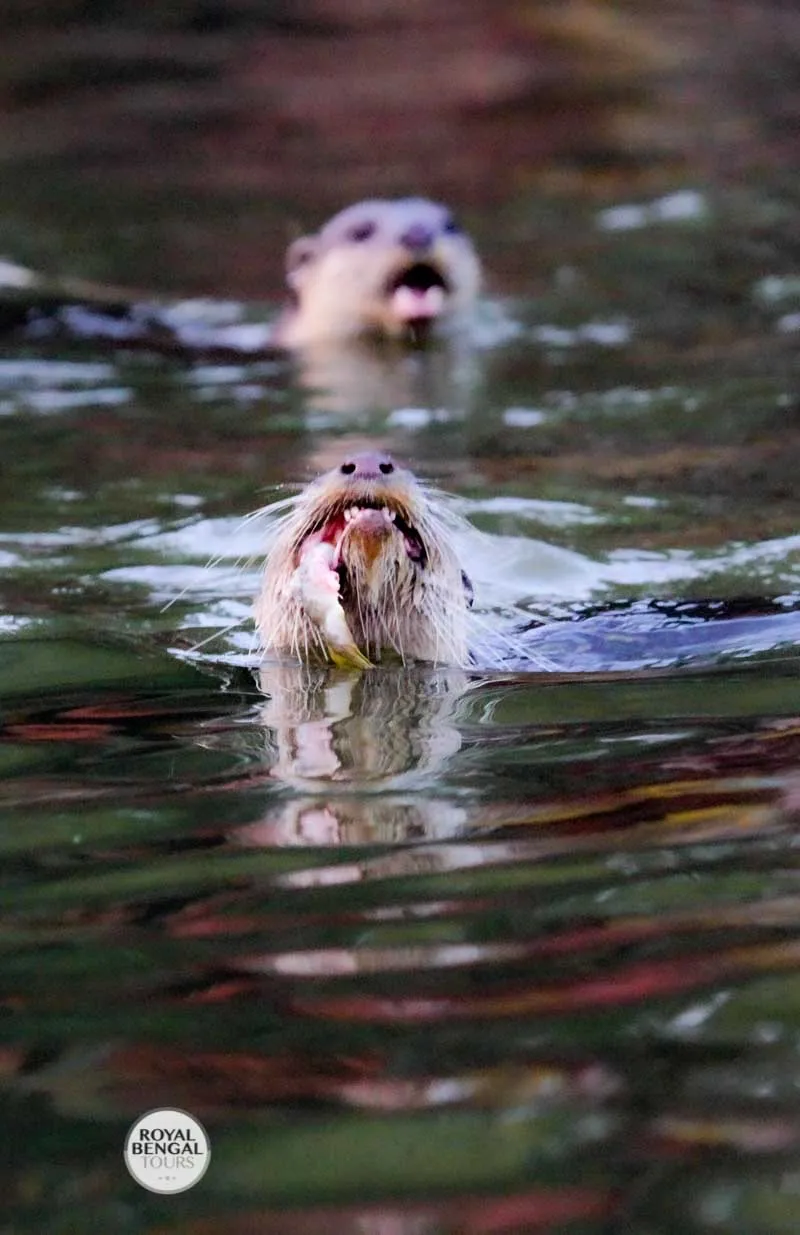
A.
pixel 513 948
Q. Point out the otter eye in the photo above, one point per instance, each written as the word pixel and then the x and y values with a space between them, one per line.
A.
pixel 347 469
pixel 386 468
pixel 452 226
pixel 361 231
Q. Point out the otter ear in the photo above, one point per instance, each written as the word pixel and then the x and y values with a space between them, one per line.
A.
pixel 299 255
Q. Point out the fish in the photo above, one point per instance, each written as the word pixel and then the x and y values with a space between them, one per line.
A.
pixel 317 586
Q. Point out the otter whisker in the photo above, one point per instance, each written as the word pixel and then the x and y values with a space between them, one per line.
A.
pixel 394 616
pixel 202 570
pixel 238 564
pixel 515 644
pixel 276 507
pixel 217 634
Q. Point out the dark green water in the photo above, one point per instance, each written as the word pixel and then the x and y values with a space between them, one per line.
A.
pixel 508 950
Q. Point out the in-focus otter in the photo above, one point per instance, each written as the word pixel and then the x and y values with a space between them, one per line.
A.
pixel 393 268
pixel 364 563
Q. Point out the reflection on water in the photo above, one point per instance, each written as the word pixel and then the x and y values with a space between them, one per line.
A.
pixel 337 736
pixel 354 381
pixel 572 967
pixel 508 949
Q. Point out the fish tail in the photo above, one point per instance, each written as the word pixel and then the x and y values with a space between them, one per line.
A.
pixel 348 656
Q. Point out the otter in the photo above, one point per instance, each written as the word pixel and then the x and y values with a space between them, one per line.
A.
pixel 398 269
pixel 362 563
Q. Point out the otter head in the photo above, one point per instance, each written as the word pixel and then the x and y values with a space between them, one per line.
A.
pixel 400 582
pixel 393 268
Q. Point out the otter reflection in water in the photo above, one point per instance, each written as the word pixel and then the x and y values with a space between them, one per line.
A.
pixel 361 753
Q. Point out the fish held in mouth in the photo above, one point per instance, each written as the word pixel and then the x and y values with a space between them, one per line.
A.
pixel 324 567
pixel 316 585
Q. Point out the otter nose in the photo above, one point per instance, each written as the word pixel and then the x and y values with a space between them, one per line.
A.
pixel 370 465
pixel 417 236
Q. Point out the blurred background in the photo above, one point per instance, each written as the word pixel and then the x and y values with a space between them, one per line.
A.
pixel 429 951
pixel 178 145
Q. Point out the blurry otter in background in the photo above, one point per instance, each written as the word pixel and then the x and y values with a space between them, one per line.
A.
pixel 399 269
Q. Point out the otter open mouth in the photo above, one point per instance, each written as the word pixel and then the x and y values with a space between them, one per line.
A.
pixel 368 518
pixel 418 292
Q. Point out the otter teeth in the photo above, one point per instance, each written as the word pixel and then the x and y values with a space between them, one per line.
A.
pixel 354 512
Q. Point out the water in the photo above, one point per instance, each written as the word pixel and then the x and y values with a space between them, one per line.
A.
pixel 513 948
